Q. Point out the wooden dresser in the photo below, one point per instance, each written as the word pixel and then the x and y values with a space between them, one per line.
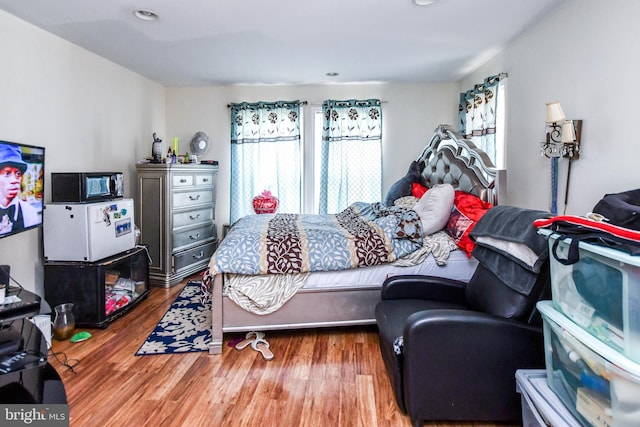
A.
pixel 175 210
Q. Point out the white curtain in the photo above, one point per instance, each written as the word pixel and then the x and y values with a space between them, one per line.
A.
pixel 477 113
pixel 265 155
pixel 351 161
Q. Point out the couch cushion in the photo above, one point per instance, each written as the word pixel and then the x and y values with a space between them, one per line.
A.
pixel 486 292
pixel 467 210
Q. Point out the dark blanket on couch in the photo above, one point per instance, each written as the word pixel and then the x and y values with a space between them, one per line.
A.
pixel 508 244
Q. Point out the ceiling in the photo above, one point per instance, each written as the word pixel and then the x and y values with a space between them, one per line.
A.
pixel 214 42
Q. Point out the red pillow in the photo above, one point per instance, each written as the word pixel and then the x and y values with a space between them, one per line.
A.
pixel 467 210
pixel 418 190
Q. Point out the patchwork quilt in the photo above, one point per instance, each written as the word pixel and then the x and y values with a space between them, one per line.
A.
pixel 364 234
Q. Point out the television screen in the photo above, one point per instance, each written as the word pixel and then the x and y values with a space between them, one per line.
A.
pixel 21 187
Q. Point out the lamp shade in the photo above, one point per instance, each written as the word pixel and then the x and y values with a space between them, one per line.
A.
pixel 568 132
pixel 554 112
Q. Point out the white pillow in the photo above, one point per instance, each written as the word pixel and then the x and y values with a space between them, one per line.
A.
pixel 434 207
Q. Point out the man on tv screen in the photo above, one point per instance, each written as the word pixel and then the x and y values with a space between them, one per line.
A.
pixel 14 213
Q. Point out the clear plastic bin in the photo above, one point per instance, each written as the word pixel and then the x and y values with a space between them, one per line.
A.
pixel 600 293
pixel 599 385
pixel 541 407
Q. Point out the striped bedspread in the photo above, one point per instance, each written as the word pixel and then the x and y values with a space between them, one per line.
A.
pixel 364 234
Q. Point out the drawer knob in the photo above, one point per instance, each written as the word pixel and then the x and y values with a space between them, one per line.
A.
pixel 205 179
pixel 198 256
pixel 194 198
pixel 193 218
pixel 183 180
pixel 196 237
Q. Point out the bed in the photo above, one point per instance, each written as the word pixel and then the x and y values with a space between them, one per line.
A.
pixel 348 297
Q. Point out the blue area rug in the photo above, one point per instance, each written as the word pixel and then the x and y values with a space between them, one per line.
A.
pixel 186 327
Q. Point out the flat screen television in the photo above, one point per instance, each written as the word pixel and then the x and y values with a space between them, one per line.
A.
pixel 21 187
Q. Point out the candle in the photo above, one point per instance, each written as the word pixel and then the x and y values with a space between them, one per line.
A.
pixel 175 145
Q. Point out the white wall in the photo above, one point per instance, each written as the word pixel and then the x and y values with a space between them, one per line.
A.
pixel 88 113
pixel 585 55
pixel 91 114
pixel 410 113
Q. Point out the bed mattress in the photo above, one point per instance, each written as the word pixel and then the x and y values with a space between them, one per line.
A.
pixel 458 267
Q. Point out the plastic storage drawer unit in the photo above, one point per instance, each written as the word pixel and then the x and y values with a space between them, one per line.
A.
pixel 600 292
pixel 541 407
pixel 600 386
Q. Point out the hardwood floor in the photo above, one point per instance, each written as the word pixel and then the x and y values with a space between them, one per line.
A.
pixel 326 377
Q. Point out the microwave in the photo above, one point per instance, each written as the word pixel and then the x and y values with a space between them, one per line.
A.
pixel 86 187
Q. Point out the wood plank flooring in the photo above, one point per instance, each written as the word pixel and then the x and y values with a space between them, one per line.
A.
pixel 326 377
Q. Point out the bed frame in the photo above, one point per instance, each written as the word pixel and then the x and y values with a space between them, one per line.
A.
pixel 449 159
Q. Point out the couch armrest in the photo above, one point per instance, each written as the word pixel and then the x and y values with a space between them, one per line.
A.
pixel 423 287
pixel 458 362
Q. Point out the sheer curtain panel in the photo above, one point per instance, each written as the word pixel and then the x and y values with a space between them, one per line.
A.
pixel 265 155
pixel 351 159
pixel 477 114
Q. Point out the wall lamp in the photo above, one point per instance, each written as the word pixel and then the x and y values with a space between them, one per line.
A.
pixel 563 135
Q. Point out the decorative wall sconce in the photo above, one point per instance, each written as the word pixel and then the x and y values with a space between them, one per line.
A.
pixel 562 135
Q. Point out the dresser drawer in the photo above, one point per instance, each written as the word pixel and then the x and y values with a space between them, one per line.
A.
pixel 204 180
pixel 200 254
pixel 180 181
pixel 193 236
pixel 192 198
pixel 194 217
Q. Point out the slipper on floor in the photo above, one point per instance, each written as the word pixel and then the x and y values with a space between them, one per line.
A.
pixel 262 346
pixel 249 339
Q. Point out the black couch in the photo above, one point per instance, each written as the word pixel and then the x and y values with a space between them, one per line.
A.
pixel 461 344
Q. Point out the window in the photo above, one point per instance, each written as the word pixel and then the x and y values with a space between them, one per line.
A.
pixel 482 117
pixel 319 168
pixel 312 147
pixel 265 155
pixel 351 154
pixel 501 125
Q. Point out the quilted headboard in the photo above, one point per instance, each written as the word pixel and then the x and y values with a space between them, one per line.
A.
pixel 449 158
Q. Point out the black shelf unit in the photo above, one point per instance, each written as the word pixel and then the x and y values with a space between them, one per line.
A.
pixel 87 284
pixel 36 382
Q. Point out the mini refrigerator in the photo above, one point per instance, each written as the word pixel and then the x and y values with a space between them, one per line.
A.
pixel 88 231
